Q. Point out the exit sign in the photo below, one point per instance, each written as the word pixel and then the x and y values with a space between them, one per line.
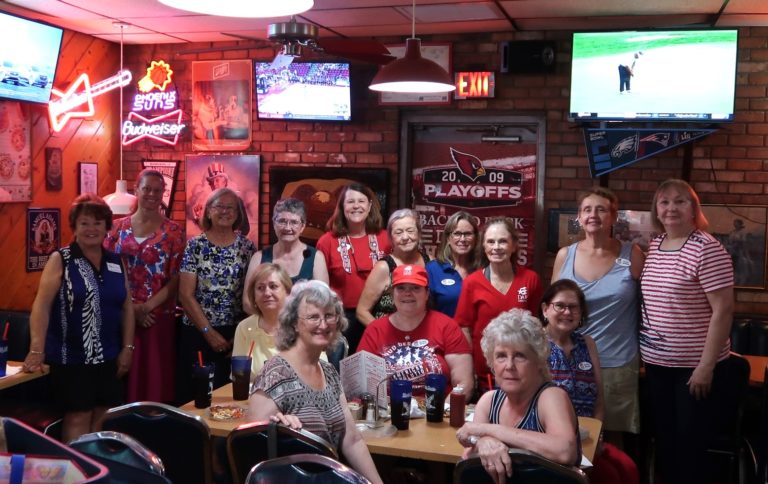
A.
pixel 474 85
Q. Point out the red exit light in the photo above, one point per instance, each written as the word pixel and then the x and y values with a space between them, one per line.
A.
pixel 474 84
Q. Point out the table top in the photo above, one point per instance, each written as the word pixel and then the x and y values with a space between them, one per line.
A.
pixel 423 440
pixel 20 377
pixel 757 366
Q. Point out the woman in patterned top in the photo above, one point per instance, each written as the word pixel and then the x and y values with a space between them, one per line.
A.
pixel 527 410
pixel 151 246
pixel 82 321
pixel 211 289
pixel 297 388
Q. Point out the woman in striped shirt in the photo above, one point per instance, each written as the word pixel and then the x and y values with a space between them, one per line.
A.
pixel 687 288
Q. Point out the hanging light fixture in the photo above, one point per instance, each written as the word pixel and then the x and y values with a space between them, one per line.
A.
pixel 412 73
pixel 121 202
pixel 243 8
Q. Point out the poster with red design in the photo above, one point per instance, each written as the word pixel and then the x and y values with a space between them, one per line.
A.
pixel 486 180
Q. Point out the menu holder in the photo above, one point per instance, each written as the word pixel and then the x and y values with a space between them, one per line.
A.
pixel 361 372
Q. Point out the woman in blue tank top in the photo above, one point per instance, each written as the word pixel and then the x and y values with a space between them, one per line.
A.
pixel 526 410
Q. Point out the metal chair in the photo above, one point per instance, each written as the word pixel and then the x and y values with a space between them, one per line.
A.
pixel 119 447
pixel 303 468
pixel 528 468
pixel 762 450
pixel 252 443
pixel 181 440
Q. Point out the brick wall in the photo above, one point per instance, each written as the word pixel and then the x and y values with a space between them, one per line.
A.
pixel 730 166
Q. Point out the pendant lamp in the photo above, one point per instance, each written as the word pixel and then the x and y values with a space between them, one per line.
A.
pixel 121 202
pixel 243 8
pixel 412 73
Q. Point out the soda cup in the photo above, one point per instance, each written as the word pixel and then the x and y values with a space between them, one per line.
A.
pixel 202 377
pixel 400 403
pixel 434 392
pixel 241 377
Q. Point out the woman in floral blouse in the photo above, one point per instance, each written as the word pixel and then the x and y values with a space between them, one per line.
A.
pixel 211 289
pixel 151 246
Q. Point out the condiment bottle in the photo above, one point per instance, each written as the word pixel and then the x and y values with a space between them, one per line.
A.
pixel 458 406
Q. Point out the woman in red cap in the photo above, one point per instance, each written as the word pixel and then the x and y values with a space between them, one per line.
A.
pixel 416 341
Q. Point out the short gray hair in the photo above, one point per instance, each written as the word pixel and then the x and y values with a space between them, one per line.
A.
pixel 311 292
pixel 290 205
pixel 401 214
pixel 517 327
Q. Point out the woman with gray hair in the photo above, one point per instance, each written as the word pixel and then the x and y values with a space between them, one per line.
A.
pixel 405 236
pixel 297 258
pixel 527 410
pixel 297 388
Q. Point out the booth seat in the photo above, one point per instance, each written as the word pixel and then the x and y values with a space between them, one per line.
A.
pixel 749 334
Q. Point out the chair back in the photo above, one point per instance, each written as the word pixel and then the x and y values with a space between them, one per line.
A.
pixel 729 396
pixel 762 449
pixel 249 444
pixel 527 468
pixel 181 440
pixel 118 447
pixel 303 468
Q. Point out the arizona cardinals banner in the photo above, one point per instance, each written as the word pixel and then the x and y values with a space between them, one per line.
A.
pixel 486 180
pixel 611 149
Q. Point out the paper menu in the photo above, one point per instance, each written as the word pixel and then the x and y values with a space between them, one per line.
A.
pixel 361 373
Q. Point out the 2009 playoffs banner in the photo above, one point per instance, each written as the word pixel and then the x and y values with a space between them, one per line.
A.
pixel 613 148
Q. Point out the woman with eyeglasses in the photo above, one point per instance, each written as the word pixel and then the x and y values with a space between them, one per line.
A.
pixel 404 232
pixel 526 410
pixel 151 247
pixel 608 272
pixel 211 289
pixel 298 389
pixel 575 367
pixel 687 311
pixel 501 285
pixel 351 246
pixel 289 252
pixel 416 341
pixel 455 259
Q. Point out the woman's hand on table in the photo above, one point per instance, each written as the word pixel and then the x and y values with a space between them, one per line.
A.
pixel 216 341
pixel 291 421
pixel 494 455
pixel 33 362
pixel 700 382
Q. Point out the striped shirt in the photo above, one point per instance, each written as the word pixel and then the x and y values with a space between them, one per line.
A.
pixel 676 312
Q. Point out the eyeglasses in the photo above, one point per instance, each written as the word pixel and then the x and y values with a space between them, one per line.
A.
pixel 462 235
pixel 224 208
pixel 561 307
pixel 316 319
pixel 283 222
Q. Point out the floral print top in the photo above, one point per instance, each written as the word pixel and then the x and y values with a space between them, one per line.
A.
pixel 220 275
pixel 150 263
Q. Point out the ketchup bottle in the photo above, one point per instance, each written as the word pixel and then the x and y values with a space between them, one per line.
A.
pixel 458 406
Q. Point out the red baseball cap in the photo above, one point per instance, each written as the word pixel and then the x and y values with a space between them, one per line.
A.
pixel 410 274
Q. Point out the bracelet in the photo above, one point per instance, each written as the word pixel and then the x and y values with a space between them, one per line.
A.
pixel 205 329
pixel 130 347
pixel 33 352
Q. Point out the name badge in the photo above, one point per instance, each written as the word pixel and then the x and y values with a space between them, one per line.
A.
pixel 585 366
pixel 447 282
pixel 623 262
pixel 112 267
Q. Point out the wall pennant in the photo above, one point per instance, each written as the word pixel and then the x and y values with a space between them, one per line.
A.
pixel 613 148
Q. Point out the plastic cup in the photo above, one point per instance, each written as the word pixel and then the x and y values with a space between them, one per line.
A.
pixel 400 403
pixel 3 356
pixel 241 377
pixel 434 393
pixel 202 377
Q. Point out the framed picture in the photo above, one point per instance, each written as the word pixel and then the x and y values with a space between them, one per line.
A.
pixel 15 153
pixel 564 228
pixel 221 105
pixel 742 231
pixel 635 226
pixel 206 173
pixel 440 53
pixel 43 236
pixel 88 178
pixel 53 169
pixel 319 188
pixel 170 170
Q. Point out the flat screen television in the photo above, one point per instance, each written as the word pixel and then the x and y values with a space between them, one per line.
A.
pixel 670 75
pixel 303 91
pixel 29 52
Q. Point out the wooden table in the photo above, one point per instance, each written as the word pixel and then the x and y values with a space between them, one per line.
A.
pixel 757 366
pixel 20 377
pixel 423 440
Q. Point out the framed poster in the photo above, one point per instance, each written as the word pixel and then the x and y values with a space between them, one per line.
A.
pixel 319 188
pixel 742 231
pixel 87 178
pixel 221 105
pixel 564 228
pixel 15 153
pixel 170 170
pixel 635 226
pixel 53 169
pixel 206 173
pixel 43 236
pixel 439 53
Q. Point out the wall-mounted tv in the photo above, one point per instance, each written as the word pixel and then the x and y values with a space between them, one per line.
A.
pixel 671 75
pixel 29 52
pixel 303 91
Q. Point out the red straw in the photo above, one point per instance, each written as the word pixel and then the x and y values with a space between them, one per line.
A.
pixel 490 382
pixel 200 358
pixel 5 331
pixel 250 350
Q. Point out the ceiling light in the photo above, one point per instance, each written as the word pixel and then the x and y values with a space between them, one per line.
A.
pixel 412 73
pixel 242 8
